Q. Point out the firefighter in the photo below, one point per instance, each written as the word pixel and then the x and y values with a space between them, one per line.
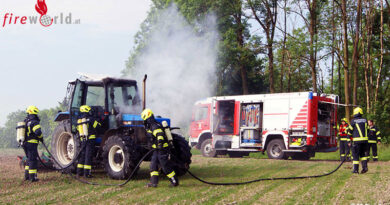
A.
pixel 344 140
pixel 87 127
pixel 30 145
pixel 358 130
pixel 374 138
pixel 160 157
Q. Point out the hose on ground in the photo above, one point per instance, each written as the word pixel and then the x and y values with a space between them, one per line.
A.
pixel 196 177
pixel 94 183
pixel 264 179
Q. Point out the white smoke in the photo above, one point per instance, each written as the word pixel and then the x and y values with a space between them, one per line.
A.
pixel 180 62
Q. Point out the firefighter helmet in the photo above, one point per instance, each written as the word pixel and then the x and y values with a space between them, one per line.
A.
pixel 344 119
pixel 32 110
pixel 358 110
pixel 85 108
pixel 146 114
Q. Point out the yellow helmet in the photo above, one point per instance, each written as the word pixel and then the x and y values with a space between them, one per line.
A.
pixel 32 110
pixel 146 114
pixel 85 108
pixel 344 119
pixel 358 110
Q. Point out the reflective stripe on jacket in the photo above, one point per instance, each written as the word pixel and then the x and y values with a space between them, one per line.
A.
pixel 33 129
pixel 358 129
pixel 374 135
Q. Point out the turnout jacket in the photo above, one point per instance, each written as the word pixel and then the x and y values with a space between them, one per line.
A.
pixel 343 132
pixel 93 124
pixel 374 135
pixel 33 129
pixel 358 129
pixel 156 134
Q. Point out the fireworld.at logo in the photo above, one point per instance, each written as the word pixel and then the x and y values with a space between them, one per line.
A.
pixel 44 19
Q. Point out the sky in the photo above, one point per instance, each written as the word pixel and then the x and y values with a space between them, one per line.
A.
pixel 37 62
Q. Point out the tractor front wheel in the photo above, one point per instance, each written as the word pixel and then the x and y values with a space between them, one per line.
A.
pixel 118 157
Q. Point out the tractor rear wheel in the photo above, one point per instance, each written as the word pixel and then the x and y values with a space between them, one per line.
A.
pixel 65 146
pixel 119 157
pixel 181 155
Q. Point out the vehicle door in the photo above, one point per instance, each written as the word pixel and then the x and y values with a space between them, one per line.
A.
pixel 76 102
pixel 200 120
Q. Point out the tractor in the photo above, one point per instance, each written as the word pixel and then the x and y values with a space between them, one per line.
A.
pixel 121 141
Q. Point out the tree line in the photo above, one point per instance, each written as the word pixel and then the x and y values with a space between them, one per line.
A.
pixel 273 46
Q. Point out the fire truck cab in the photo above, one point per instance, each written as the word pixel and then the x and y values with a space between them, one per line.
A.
pixel 284 125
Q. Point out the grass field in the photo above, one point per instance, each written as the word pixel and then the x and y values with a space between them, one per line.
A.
pixel 341 187
pixel 383 153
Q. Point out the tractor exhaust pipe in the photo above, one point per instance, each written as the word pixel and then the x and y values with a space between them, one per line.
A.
pixel 144 92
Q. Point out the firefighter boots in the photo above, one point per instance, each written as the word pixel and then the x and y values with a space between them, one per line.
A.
pixel 80 172
pixel 87 173
pixel 33 177
pixel 26 175
pixel 365 169
pixel 153 181
pixel 355 169
pixel 174 181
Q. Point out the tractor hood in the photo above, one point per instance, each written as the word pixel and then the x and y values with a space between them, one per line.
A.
pixel 130 120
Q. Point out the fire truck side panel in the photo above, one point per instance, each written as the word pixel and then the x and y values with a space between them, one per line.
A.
pixel 284 112
pixel 275 114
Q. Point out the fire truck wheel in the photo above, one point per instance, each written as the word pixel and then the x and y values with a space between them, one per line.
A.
pixel 64 146
pixel 207 149
pixel 301 156
pixel 119 157
pixel 181 155
pixel 274 149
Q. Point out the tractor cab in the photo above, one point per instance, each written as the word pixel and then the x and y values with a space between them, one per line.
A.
pixel 108 99
pixel 112 100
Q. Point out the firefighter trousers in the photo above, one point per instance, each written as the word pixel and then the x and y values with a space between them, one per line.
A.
pixel 160 159
pixel 31 150
pixel 344 150
pixel 374 148
pixel 359 153
pixel 84 165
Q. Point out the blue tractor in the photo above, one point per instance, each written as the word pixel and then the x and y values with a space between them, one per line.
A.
pixel 121 141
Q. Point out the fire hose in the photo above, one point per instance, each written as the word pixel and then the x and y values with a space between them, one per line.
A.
pixel 192 174
pixel 264 179
pixel 88 182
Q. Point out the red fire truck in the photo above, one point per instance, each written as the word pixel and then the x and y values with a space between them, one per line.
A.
pixel 295 125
